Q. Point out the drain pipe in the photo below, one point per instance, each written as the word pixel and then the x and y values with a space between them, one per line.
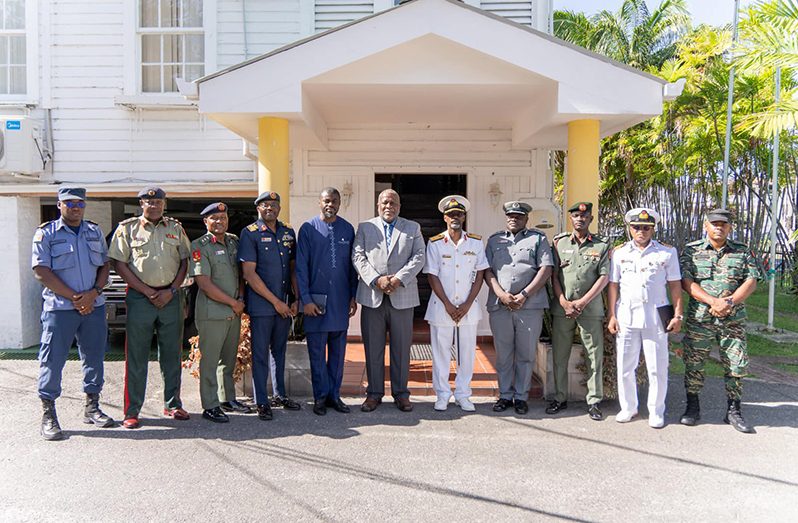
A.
pixel 244 27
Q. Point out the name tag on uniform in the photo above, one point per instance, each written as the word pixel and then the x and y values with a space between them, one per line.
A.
pixel 266 239
pixel 568 251
pixel 220 252
pixel 446 256
pixel 469 253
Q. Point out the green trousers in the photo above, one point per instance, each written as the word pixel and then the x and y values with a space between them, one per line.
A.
pixel 144 320
pixel 218 343
pixel 591 330
pixel 729 337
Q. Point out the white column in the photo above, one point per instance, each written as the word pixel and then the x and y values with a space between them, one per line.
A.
pixel 21 306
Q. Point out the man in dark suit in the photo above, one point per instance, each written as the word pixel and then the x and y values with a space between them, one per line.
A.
pixel 388 254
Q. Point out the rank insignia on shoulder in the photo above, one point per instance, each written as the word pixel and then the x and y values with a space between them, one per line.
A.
pixel 474 236
pixel 252 227
pixel 437 237
pixel 196 255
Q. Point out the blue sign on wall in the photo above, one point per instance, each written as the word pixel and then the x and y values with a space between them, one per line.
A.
pixel 13 125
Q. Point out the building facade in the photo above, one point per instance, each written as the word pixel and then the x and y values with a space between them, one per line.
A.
pixel 218 99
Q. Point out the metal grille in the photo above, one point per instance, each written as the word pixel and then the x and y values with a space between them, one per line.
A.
pixel 423 352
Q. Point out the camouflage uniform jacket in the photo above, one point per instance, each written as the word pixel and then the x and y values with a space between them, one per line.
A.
pixel 719 273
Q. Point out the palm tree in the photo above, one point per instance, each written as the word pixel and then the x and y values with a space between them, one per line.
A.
pixel 632 35
pixel 769 39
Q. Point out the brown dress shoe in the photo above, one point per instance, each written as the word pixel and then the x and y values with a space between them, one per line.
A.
pixel 131 423
pixel 403 404
pixel 370 404
pixel 178 414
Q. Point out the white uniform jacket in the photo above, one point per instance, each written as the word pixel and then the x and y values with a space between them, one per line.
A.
pixel 456 266
pixel 643 277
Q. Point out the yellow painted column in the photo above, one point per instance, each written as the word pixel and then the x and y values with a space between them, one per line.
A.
pixel 582 176
pixel 273 154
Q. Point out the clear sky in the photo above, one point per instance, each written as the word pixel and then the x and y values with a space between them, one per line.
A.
pixel 715 12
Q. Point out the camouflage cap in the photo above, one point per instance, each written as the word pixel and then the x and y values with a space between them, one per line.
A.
pixel 719 215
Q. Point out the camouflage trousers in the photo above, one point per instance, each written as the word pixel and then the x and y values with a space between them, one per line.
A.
pixel 698 342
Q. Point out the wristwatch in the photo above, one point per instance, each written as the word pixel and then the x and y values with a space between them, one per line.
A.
pixel 174 291
pixel 679 317
pixel 98 289
pixel 524 293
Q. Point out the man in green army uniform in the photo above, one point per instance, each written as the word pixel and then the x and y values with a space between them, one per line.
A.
pixel 581 271
pixel 719 275
pixel 150 253
pixel 220 303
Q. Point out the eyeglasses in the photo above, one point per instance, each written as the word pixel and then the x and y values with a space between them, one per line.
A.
pixel 70 204
pixel 644 228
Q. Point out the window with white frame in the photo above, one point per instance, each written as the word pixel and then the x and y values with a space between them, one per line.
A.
pixel 13 55
pixel 171 43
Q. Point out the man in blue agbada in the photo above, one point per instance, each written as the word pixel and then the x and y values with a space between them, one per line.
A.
pixel 327 284
pixel 70 259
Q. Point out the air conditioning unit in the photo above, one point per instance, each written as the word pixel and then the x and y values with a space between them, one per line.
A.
pixel 21 146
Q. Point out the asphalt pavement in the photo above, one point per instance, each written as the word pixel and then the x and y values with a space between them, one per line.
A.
pixel 393 466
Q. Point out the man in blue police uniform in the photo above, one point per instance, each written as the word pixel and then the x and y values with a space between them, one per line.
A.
pixel 70 259
pixel 267 250
pixel 327 284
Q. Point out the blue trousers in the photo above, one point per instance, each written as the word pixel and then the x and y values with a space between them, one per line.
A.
pixel 59 330
pixel 326 351
pixel 269 335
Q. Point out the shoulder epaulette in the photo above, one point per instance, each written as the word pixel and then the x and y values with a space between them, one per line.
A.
pixel 474 236
pixel 598 238
pixel 252 227
pixel 740 245
pixel 129 220
pixel 694 243
pixel 437 237
pixel 170 219
pixel 497 233
pixel 231 235
pixel 562 235
pixel 91 222
pixel 536 231
pixel 45 224
pixel 204 239
pixel 668 245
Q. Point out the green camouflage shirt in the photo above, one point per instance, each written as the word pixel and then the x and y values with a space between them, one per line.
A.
pixel 577 267
pixel 719 273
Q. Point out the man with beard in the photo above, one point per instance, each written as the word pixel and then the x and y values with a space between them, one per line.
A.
pixel 71 260
pixel 581 271
pixel 267 252
pixel 388 254
pixel 719 275
pixel 455 264
pixel 150 253
pixel 643 272
pixel 327 284
pixel 218 309
pixel 520 264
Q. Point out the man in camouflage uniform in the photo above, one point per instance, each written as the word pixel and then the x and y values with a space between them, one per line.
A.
pixel 581 271
pixel 150 253
pixel 719 275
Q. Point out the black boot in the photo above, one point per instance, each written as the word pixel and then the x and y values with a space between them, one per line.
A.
pixel 734 417
pixel 51 430
pixel 693 412
pixel 93 414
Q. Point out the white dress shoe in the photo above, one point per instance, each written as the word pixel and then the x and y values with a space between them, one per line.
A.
pixel 625 417
pixel 656 422
pixel 466 404
pixel 441 404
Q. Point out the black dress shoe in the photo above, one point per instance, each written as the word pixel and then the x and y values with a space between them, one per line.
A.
pixel 215 415
pixel 287 403
pixel 236 406
pixel 320 407
pixel 595 412
pixel 502 404
pixel 338 405
pixel 555 407
pixel 521 407
pixel 264 412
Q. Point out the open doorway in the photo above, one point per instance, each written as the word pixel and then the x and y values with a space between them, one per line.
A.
pixel 420 194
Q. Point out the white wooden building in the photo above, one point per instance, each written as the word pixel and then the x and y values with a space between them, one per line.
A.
pixel 357 94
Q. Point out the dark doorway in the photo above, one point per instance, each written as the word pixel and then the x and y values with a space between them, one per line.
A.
pixel 420 194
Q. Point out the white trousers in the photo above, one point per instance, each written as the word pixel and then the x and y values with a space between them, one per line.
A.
pixel 654 342
pixel 442 341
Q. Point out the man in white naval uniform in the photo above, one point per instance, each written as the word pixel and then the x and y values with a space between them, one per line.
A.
pixel 642 274
pixel 455 263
